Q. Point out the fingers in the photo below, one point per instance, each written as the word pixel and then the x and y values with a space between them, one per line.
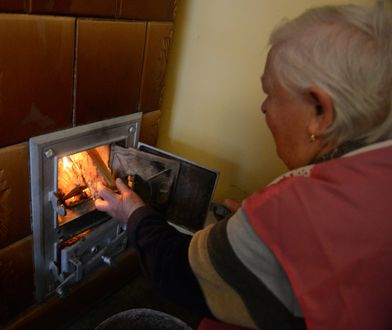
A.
pixel 231 204
pixel 109 201
pixel 121 186
pixel 120 205
pixel 102 205
pixel 106 194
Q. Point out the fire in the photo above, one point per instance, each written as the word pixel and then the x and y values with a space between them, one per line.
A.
pixel 78 175
pixel 67 164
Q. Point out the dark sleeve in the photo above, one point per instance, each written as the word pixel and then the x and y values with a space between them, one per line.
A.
pixel 164 252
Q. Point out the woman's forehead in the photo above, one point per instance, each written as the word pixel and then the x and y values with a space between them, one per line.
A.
pixel 266 78
pixel 267 75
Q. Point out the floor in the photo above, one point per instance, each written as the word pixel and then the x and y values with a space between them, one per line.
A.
pixel 138 293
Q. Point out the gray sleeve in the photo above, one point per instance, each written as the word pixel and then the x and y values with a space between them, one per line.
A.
pixel 258 259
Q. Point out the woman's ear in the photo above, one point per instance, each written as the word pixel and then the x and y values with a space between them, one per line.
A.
pixel 324 112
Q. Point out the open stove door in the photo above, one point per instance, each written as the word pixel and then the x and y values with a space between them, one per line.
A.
pixel 192 193
pixel 179 189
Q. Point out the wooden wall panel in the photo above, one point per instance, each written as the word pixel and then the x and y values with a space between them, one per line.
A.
pixel 53 76
pixel 109 67
pixel 150 127
pixel 156 56
pixel 16 278
pixel 75 7
pixel 13 6
pixel 14 194
pixel 158 10
pixel 36 62
pixel 56 313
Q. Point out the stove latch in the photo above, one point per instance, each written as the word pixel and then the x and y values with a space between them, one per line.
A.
pixel 57 205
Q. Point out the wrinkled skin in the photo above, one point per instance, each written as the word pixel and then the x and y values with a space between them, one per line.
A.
pixel 119 206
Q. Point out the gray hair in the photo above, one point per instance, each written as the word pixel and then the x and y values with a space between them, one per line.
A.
pixel 347 51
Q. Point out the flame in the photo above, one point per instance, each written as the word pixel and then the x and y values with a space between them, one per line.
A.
pixel 67 164
pixel 76 172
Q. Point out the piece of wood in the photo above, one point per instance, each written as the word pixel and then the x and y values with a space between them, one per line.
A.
pixel 101 168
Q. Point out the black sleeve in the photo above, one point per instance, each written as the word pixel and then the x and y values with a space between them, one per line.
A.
pixel 164 252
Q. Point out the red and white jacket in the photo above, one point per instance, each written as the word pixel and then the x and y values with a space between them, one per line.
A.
pixel 331 230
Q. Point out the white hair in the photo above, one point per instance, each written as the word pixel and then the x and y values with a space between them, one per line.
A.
pixel 347 51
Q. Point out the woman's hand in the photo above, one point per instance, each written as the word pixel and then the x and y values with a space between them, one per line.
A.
pixel 231 204
pixel 120 205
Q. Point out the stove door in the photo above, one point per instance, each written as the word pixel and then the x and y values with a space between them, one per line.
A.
pixel 192 192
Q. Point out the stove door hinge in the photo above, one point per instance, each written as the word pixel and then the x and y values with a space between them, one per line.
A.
pixel 78 268
pixel 57 206
pixel 76 276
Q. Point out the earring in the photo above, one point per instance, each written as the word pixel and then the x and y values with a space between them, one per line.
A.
pixel 312 138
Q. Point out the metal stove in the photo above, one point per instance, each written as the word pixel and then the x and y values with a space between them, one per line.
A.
pixel 71 239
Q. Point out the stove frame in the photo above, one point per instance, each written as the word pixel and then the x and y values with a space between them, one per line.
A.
pixel 55 272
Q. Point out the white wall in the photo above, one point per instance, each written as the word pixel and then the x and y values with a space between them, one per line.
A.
pixel 211 110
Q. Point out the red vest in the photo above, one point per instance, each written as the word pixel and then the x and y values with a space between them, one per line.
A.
pixel 332 233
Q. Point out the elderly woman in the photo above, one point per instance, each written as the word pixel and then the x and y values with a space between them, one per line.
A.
pixel 315 246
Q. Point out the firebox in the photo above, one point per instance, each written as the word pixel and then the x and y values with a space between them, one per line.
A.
pixel 71 239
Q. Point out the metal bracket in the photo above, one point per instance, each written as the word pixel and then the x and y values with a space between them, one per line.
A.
pixel 57 206
pixel 78 268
